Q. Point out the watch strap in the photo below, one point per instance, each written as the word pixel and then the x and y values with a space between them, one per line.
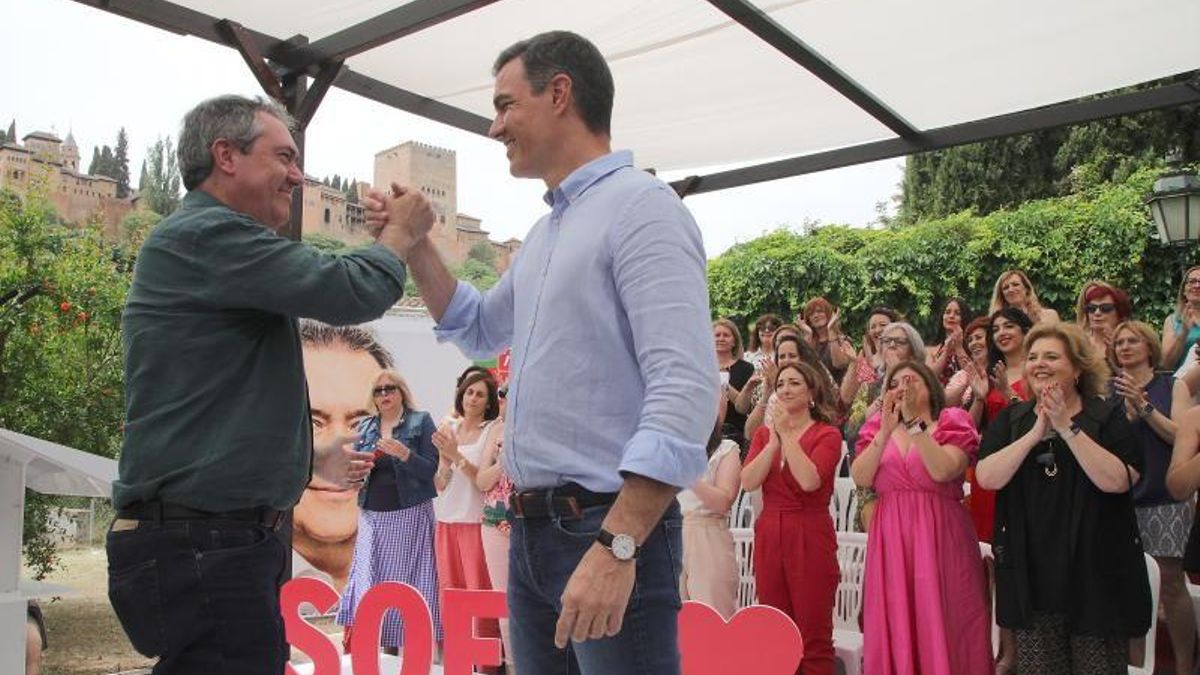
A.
pixel 607 539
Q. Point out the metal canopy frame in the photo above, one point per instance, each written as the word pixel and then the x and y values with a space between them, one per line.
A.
pixel 294 58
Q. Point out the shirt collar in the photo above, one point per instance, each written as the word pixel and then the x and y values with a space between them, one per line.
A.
pixel 579 180
pixel 199 199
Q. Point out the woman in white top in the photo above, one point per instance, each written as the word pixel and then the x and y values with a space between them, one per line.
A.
pixel 458 542
pixel 710 573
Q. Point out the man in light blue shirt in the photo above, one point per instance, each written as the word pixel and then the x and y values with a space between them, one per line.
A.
pixel 614 380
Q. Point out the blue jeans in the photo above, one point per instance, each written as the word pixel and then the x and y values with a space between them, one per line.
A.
pixel 543 552
pixel 202 595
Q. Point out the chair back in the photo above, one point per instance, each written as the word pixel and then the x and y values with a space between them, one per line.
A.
pixel 852 563
pixel 743 553
pixel 843 503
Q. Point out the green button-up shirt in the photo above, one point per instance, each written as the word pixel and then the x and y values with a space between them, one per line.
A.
pixel 216 406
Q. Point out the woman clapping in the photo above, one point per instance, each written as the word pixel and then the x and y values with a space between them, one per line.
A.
pixel 1069 573
pixel 795 550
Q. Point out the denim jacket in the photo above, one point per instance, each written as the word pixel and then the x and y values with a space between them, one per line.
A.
pixel 414 478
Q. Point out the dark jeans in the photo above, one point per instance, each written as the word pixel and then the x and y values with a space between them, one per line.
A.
pixel 543 552
pixel 202 595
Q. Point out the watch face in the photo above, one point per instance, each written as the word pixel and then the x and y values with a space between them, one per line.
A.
pixel 623 547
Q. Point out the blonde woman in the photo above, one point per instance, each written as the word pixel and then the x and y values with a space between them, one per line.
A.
pixel 1014 289
pixel 396 523
pixel 1181 329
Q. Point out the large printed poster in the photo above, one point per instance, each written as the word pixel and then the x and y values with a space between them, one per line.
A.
pixel 339 383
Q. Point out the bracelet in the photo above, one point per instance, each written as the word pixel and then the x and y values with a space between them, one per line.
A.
pixel 1146 410
pixel 916 426
pixel 1072 432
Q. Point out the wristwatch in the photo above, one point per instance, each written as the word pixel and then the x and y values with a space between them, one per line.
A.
pixel 916 426
pixel 623 546
pixel 1147 410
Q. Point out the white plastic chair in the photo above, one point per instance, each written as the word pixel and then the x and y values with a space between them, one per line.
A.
pixel 743 552
pixel 843 504
pixel 847 603
pixel 742 513
pixel 1152 571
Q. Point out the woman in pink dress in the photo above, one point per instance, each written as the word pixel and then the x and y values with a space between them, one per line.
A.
pixel 925 599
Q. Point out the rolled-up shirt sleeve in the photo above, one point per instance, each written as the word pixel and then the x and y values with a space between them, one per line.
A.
pixel 479 324
pixel 660 275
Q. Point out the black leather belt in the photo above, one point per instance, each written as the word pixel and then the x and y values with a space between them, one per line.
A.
pixel 160 511
pixel 566 501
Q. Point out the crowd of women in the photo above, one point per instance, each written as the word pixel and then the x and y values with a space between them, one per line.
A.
pixel 1069 445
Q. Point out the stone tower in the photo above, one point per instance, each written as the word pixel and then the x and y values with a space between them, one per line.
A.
pixel 432 170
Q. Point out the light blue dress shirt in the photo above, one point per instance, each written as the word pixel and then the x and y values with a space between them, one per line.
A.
pixel 606 308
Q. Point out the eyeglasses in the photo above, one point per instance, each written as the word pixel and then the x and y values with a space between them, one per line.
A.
pixel 1195 281
pixel 893 341
pixel 1103 308
pixel 385 390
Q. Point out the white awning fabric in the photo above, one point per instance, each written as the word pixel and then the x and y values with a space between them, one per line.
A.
pixel 696 88
pixel 55 469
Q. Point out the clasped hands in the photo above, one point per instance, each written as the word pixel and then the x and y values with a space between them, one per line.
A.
pixel 398 219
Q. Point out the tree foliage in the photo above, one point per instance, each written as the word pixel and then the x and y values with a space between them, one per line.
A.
pixel 484 253
pixel 1102 232
pixel 326 243
pixel 160 181
pixel 61 294
pixel 480 274
pixel 1005 172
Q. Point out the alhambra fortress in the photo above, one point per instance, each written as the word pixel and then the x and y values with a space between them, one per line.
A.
pixel 78 197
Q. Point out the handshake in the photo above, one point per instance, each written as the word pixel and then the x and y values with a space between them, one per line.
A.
pixel 398 219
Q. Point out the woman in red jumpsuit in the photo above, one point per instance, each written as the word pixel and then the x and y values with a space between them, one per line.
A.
pixel 795 548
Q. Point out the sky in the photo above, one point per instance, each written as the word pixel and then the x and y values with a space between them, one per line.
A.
pixel 72 68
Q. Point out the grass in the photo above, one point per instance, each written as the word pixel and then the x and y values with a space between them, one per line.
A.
pixel 84 634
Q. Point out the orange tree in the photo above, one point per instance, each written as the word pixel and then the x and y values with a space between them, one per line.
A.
pixel 62 288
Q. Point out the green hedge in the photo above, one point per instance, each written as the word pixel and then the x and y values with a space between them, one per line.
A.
pixel 1101 232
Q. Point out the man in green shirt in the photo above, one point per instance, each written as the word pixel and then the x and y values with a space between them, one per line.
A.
pixel 218 437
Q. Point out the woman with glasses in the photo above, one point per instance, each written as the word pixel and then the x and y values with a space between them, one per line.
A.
pixel 926 610
pixel 1070 576
pixel 1181 329
pixel 1014 289
pixel 762 340
pixel 1098 310
pixel 1163 521
pixel 461 561
pixel 396 521
pixel 898 343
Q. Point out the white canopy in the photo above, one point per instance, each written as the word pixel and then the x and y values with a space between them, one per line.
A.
pixel 739 81
pixel 55 469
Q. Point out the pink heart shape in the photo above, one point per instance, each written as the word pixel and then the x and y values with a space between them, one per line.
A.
pixel 758 639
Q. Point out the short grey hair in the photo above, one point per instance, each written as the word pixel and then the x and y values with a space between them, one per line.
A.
pixel 231 117
pixel 915 343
